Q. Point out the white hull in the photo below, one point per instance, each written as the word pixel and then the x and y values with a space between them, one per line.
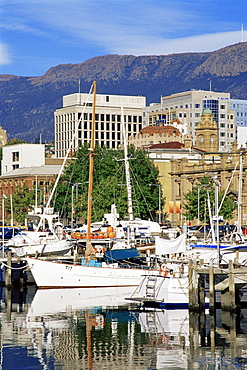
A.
pixel 162 291
pixel 44 248
pixel 48 274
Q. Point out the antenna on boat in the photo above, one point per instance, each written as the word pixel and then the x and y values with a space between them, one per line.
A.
pixel 89 249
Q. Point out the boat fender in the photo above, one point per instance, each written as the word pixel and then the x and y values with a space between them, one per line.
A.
pixel 164 270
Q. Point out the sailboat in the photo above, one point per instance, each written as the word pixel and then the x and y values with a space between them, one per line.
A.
pixel 45 237
pixel 91 272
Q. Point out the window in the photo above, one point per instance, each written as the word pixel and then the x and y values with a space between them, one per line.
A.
pixel 107 99
pixel 222 107
pixel 197 105
pixel 15 156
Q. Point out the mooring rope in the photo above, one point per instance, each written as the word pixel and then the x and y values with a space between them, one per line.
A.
pixel 13 268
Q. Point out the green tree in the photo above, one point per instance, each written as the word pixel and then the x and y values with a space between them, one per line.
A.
pixel 22 201
pixel 206 185
pixel 15 141
pixel 109 184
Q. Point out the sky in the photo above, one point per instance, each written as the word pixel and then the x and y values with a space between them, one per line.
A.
pixel 38 34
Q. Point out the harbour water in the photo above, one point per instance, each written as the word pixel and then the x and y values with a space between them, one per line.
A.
pixel 99 329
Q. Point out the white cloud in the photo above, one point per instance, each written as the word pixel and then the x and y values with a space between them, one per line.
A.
pixel 5 57
pixel 200 43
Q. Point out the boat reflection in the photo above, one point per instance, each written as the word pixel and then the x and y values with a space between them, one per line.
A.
pixel 97 328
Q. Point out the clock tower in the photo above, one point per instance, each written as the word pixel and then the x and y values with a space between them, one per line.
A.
pixel 207 132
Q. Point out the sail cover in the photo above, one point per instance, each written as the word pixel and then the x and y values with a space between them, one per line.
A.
pixel 165 246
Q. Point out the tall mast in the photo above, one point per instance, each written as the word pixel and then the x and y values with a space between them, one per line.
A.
pixel 89 248
pixel 127 170
pixel 240 193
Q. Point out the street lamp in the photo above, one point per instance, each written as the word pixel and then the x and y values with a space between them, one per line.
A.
pixel 159 201
pixel 198 201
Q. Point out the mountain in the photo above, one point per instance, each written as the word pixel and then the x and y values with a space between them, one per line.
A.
pixel 28 103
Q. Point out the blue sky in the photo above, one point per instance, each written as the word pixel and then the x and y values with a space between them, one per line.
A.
pixel 38 34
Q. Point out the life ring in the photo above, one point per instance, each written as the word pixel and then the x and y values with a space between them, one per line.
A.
pixel 164 270
pixel 99 250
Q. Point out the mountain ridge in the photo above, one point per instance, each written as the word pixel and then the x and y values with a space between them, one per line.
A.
pixel 28 103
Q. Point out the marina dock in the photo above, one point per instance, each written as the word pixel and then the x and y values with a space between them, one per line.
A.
pixel 223 284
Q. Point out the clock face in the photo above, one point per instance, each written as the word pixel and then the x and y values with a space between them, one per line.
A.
pixel 201 139
pixel 212 139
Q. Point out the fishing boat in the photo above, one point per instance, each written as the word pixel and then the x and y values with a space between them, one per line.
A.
pixel 117 269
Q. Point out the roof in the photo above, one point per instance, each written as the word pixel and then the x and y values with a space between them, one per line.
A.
pixel 206 111
pixel 44 170
pixel 169 145
pixel 151 130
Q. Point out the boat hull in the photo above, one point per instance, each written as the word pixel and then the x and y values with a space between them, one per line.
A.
pixel 50 274
pixel 164 292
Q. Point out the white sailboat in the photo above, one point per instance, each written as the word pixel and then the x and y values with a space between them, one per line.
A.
pixel 48 241
pixel 91 273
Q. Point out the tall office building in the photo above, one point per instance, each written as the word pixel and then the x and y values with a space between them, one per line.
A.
pixel 75 117
pixel 240 107
pixel 184 111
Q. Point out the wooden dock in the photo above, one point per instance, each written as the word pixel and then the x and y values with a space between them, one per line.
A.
pixel 227 281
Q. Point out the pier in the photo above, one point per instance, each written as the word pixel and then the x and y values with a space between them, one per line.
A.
pixel 12 271
pixel 223 285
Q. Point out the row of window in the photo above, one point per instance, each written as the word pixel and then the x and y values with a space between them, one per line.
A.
pixel 69 117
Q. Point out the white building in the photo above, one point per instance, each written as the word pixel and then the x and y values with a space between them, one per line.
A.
pixel 184 111
pixel 22 155
pixel 240 107
pixel 76 117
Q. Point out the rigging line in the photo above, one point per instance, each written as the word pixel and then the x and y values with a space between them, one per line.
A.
pixel 228 186
pixel 64 161
pixel 151 216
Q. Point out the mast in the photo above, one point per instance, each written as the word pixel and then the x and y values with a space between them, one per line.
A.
pixel 239 230
pixel 127 170
pixel 89 248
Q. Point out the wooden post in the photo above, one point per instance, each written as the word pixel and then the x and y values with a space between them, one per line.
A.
pixel 232 304
pixel 8 282
pixel 8 303
pixel 193 287
pixel 211 287
pixel 212 335
pixel 202 293
pixel 190 286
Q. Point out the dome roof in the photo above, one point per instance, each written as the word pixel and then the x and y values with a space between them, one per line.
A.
pixel 206 111
pixel 151 130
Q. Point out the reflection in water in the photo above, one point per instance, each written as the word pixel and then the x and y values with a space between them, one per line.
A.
pixel 97 329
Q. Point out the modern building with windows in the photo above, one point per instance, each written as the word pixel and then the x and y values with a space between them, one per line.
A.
pixel 184 111
pixel 73 121
pixel 240 107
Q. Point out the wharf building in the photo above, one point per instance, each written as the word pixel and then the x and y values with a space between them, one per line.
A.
pixel 26 164
pixel 183 110
pixel 74 120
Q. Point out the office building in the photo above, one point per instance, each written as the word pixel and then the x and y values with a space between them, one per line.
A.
pixel 240 107
pixel 183 110
pixel 73 121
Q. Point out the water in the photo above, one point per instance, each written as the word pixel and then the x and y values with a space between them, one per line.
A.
pixel 76 329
